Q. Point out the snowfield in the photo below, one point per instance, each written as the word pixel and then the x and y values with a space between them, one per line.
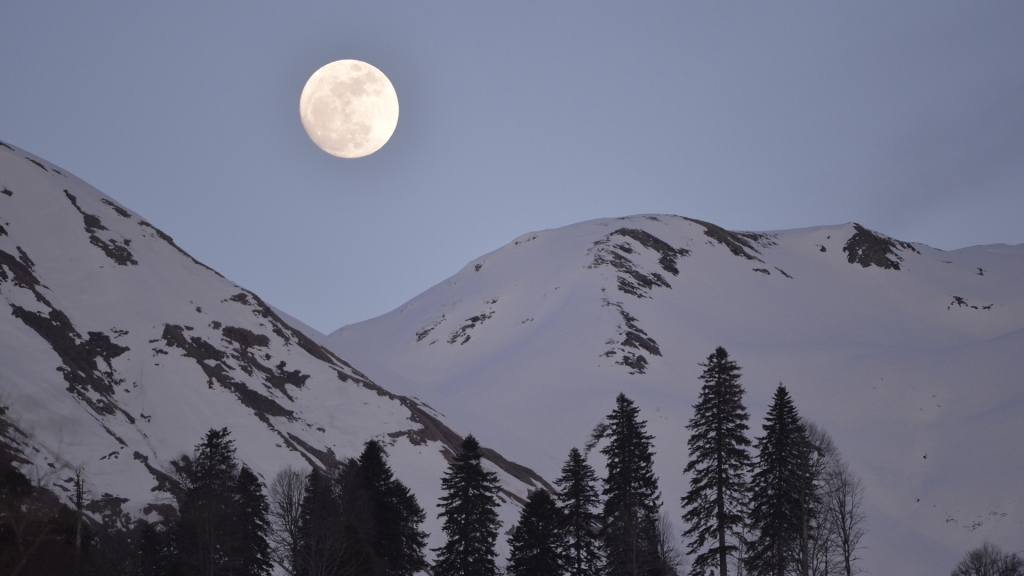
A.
pixel 911 357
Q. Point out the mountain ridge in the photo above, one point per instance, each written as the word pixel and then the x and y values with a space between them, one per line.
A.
pixel 121 350
pixel 540 334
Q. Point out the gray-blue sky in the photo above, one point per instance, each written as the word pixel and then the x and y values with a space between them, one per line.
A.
pixel 905 117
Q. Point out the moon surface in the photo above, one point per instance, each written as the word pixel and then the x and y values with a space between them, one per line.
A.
pixel 349 108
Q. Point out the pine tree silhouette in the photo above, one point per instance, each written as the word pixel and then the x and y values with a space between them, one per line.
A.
pixel 222 524
pixel 578 501
pixel 393 534
pixel 632 500
pixel 718 465
pixel 207 528
pixel 324 548
pixel 779 479
pixel 253 550
pixel 538 544
pixel 469 508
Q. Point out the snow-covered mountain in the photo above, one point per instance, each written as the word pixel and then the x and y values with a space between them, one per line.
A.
pixel 911 357
pixel 120 351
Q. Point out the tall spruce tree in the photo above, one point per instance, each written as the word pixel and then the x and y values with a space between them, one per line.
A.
pixel 578 500
pixel 469 508
pixel 632 500
pixel 779 481
pixel 323 548
pixel 538 543
pixel 207 535
pixel 222 524
pixel 714 505
pixel 393 532
pixel 253 549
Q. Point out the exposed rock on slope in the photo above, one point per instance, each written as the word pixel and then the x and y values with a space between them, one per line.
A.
pixel 869 248
pixel 120 351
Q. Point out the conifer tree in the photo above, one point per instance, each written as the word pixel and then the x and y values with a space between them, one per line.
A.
pixel 579 499
pixel 395 516
pixel 779 480
pixel 538 543
pixel 632 500
pixel 469 508
pixel 714 505
pixel 222 526
pixel 253 553
pixel 157 552
pixel 207 528
pixel 322 549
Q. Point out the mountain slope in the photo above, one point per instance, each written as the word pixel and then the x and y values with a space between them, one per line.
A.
pixel 908 355
pixel 120 351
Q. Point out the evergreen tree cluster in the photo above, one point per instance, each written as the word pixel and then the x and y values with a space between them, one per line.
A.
pixel 358 519
pixel 222 524
pixel 617 531
pixel 580 531
pixel 355 520
pixel 221 527
pixel 794 509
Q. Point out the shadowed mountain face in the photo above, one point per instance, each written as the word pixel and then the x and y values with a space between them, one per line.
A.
pixel 901 351
pixel 120 351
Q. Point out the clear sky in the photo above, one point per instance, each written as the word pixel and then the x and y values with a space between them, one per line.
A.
pixel 907 117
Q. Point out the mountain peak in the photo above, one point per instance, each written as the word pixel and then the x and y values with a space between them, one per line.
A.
pixel 876 339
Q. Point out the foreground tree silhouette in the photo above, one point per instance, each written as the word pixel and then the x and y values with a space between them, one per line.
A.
pixel 989 560
pixel 356 519
pixel 843 496
pixel 323 547
pixel 538 542
pixel 714 505
pixel 780 478
pixel 34 528
pixel 286 492
pixel 469 508
pixel 223 513
pixel 392 531
pixel 632 500
pixel 252 548
pixel 579 500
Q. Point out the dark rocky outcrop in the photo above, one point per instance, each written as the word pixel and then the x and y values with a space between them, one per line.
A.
pixel 245 338
pixel 737 242
pixel 120 211
pixel 668 255
pixel 115 250
pixel 422 334
pixel 632 336
pixel 471 322
pixel 869 248
pixel 211 359
pixel 633 280
pixel 78 355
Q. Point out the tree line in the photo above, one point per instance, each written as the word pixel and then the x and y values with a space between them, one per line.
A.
pixel 793 507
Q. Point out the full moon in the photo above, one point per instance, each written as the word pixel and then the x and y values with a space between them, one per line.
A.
pixel 349 108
